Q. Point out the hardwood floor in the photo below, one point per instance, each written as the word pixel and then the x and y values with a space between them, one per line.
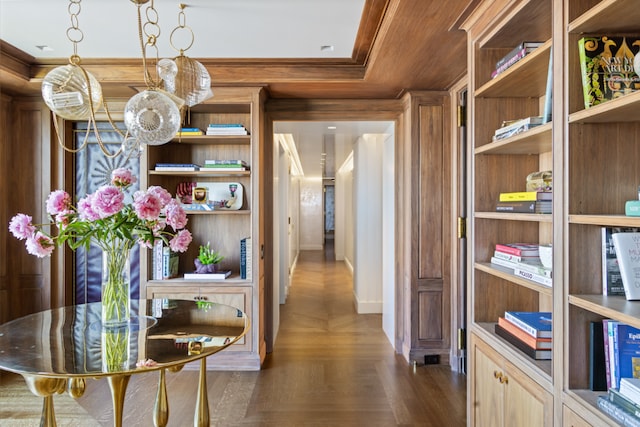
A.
pixel 330 367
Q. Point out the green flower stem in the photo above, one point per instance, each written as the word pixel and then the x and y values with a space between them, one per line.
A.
pixel 115 283
pixel 115 349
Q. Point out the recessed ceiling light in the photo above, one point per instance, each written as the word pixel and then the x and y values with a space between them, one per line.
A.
pixel 326 48
pixel 44 48
pixel 332 127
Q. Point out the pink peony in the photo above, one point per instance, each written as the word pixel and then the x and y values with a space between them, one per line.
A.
pixel 145 363
pixel 176 216
pixel 58 201
pixel 21 226
pixel 40 245
pixel 180 241
pixel 107 200
pixel 160 193
pixel 146 205
pixel 85 209
pixel 122 177
pixel 64 218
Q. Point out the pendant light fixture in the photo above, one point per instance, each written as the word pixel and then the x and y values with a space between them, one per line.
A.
pixel 185 77
pixel 72 93
pixel 152 116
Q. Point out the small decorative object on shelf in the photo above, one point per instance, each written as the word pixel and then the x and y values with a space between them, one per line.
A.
pixel 540 181
pixel 208 260
pixel 115 226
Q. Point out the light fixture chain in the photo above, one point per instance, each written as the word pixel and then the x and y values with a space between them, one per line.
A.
pixel 74 33
pixel 182 25
pixel 151 30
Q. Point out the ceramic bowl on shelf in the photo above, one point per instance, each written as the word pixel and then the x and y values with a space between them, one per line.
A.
pixel 546 255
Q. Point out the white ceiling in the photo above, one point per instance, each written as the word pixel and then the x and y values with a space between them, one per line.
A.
pixel 221 28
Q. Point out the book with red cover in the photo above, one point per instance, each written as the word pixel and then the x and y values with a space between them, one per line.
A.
pixel 519 249
pixel 531 341
pixel 520 345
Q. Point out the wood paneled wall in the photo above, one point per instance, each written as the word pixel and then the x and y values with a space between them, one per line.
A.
pixel 25 280
pixel 429 299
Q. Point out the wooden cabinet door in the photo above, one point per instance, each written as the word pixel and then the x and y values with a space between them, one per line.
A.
pixel 488 391
pixel 571 419
pixel 526 404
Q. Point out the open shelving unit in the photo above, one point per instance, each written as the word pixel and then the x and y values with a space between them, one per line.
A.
pixel 222 228
pixel 502 166
pixel 601 167
pixel 593 153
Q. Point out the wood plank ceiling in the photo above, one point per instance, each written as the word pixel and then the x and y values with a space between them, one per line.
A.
pixel 401 45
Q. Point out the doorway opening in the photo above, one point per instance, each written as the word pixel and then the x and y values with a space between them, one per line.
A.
pixel 331 180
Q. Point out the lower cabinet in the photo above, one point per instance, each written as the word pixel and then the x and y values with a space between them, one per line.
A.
pixel 571 419
pixel 502 394
pixel 242 355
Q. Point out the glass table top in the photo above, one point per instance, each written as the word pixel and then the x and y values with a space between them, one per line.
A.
pixel 70 341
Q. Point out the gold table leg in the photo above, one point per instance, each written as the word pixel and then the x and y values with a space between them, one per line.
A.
pixel 201 417
pixel 118 385
pixel 161 408
pixel 46 387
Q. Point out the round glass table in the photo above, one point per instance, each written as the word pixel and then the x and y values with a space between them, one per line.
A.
pixel 57 350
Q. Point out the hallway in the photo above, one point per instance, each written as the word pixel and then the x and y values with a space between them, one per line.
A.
pixel 330 367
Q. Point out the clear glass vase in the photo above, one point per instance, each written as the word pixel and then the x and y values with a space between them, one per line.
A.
pixel 115 349
pixel 116 286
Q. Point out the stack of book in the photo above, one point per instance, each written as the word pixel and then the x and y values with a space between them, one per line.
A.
pixel 524 260
pixel 516 54
pixel 525 202
pixel 514 127
pixel 185 131
pixel 226 129
pixel 623 404
pixel 225 165
pixel 177 167
pixel 528 331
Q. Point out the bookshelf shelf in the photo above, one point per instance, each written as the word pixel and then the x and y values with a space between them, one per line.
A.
pixel 602 220
pixel 617 16
pixel 534 141
pixel 526 78
pixel 199 174
pixel 219 212
pixel 547 218
pixel 615 307
pixel 214 139
pixel 507 274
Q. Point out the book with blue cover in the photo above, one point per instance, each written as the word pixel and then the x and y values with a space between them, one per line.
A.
pixel 535 323
pixel 627 353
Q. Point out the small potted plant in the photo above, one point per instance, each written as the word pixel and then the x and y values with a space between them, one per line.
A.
pixel 208 260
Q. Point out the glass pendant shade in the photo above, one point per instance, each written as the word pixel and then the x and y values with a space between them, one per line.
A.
pixel 152 117
pixel 66 90
pixel 192 82
pixel 636 63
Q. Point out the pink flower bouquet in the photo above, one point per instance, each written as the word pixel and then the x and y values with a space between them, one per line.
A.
pixel 105 218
